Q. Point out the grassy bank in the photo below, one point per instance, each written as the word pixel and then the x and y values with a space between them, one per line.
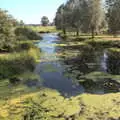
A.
pixel 16 63
pixel 100 41
pixel 22 59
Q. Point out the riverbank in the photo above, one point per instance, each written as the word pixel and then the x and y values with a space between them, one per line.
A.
pixel 24 58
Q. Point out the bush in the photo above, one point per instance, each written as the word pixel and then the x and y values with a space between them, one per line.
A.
pixel 25 78
pixel 24 33
pixel 24 46
pixel 113 61
pixel 17 63
pixel 114 53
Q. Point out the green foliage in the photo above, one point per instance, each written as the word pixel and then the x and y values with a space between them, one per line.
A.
pixel 44 20
pixel 24 45
pixel 43 29
pixel 49 105
pixel 7 36
pixel 114 52
pixel 99 43
pixel 17 63
pixel 24 33
pixel 113 16
pixel 84 16
pixel 28 77
pixel 59 17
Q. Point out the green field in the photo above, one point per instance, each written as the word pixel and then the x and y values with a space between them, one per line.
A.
pixel 50 29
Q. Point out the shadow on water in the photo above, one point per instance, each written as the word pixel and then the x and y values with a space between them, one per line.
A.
pixel 73 71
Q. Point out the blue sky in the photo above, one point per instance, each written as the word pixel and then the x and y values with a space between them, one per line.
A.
pixel 31 11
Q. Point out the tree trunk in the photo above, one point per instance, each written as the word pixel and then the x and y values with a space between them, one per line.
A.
pixel 93 32
pixel 64 31
pixel 77 32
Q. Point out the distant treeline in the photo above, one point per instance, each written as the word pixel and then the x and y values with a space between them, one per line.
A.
pixel 89 16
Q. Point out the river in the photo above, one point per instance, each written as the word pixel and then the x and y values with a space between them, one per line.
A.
pixel 56 72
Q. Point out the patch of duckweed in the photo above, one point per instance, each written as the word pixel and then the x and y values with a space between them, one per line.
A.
pixel 100 107
pixel 50 105
pixel 107 82
pixel 49 68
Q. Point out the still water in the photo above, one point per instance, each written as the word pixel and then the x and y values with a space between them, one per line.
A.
pixel 63 68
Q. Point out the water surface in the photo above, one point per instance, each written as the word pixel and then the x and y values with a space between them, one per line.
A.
pixel 62 67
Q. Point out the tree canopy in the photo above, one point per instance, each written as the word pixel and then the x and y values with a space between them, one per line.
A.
pixel 113 15
pixel 7 36
pixel 81 15
pixel 44 20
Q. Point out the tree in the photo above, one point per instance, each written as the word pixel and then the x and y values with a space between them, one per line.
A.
pixel 95 15
pixel 7 36
pixel 44 21
pixel 80 15
pixel 60 19
pixel 73 15
pixel 113 15
pixel 24 33
pixel 21 23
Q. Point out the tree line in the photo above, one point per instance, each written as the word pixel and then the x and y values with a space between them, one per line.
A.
pixel 89 16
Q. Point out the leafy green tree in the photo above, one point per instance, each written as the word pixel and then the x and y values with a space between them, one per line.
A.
pixel 21 23
pixel 81 15
pixel 72 16
pixel 78 14
pixel 113 15
pixel 44 20
pixel 60 19
pixel 95 15
pixel 7 36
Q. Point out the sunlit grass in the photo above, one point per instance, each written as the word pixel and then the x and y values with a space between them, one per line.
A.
pixel 43 28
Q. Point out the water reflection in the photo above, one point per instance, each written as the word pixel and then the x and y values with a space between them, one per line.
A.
pixel 52 72
pixel 74 70
pixel 113 65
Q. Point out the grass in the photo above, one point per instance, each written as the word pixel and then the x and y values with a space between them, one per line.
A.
pixel 114 52
pixel 101 107
pixel 86 35
pixel 18 62
pixel 43 29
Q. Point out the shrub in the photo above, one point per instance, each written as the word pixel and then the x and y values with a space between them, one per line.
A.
pixel 24 33
pixel 114 53
pixel 113 61
pixel 17 63
pixel 25 78
pixel 26 46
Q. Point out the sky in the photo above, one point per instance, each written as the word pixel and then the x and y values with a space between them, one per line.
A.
pixel 31 11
